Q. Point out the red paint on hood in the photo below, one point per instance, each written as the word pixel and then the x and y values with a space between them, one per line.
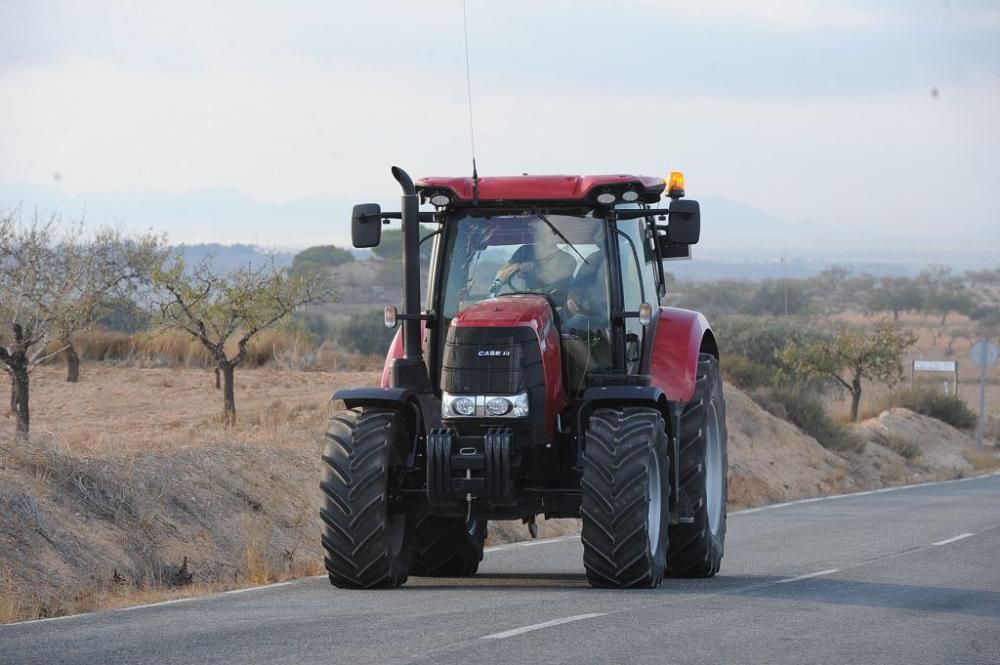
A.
pixel 506 311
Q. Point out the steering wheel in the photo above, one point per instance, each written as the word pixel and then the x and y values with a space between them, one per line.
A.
pixel 516 281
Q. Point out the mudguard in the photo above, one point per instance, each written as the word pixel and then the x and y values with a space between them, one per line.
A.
pixel 650 395
pixel 396 351
pixel 410 406
pixel 680 336
pixel 390 398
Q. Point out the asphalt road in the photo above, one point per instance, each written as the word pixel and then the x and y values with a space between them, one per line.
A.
pixel 905 576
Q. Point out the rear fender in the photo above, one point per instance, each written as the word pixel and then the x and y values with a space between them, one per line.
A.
pixel 681 335
pixel 396 351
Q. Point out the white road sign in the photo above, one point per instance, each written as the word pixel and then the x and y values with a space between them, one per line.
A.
pixel 935 365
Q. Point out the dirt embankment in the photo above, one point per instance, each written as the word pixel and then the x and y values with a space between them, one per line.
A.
pixel 92 514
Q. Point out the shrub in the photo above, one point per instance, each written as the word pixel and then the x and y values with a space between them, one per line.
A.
pixel 804 409
pixel 365 333
pixel 745 373
pixel 950 409
pixel 319 257
pixel 761 339
pixel 904 446
pixel 101 345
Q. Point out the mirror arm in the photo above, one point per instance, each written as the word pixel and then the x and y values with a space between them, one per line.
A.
pixel 425 217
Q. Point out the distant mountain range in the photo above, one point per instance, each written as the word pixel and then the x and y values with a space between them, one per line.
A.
pixel 738 241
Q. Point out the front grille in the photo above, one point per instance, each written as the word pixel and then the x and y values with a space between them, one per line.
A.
pixel 491 361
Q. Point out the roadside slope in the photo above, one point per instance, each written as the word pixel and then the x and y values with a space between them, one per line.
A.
pixel 88 525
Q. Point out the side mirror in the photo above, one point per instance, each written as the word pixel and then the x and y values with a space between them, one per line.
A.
pixel 684 223
pixel 366 225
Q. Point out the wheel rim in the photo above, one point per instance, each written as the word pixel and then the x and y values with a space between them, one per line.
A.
pixel 653 517
pixel 713 469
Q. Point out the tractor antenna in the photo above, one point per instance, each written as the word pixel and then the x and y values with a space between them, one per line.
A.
pixel 468 89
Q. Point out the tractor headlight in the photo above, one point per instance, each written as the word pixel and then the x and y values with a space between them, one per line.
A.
pixel 484 406
pixel 498 406
pixel 463 406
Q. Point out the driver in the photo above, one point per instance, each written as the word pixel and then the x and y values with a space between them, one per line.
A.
pixel 541 263
pixel 587 297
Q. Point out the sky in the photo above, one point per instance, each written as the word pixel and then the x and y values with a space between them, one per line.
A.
pixel 804 128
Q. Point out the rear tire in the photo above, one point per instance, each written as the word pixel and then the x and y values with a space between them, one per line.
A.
pixel 696 549
pixel 626 489
pixel 446 546
pixel 366 546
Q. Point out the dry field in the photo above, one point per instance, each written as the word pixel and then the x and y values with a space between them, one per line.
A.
pixel 133 409
pixel 131 489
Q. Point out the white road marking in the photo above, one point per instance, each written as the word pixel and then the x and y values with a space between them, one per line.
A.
pixel 539 626
pixel 829 571
pixel 954 539
pixel 159 604
pixel 834 497
pixel 528 543
pixel 258 588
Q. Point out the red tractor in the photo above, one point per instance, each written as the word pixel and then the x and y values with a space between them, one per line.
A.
pixel 541 377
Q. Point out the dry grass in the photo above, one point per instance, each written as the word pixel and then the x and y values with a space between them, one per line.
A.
pixel 985 461
pixel 264 564
pixel 135 409
pixel 176 348
pixel 14 604
pixel 903 446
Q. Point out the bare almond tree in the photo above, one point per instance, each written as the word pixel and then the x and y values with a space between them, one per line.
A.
pixel 108 265
pixel 226 311
pixel 38 292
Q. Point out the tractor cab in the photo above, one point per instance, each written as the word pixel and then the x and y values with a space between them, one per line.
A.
pixel 595 257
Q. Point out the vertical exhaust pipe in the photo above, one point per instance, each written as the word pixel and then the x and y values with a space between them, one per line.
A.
pixel 411 265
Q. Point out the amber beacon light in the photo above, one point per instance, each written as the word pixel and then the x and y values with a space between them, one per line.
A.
pixel 675 185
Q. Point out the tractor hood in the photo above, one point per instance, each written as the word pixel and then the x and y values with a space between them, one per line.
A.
pixel 504 346
pixel 508 311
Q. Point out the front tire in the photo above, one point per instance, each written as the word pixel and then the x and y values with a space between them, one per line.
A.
pixel 696 549
pixel 446 546
pixel 626 489
pixel 366 546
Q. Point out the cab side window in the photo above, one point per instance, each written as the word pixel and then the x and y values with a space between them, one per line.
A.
pixel 637 288
pixel 635 229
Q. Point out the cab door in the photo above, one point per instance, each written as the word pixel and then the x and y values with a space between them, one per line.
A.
pixel 638 285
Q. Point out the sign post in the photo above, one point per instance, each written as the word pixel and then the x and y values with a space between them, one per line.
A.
pixel 984 353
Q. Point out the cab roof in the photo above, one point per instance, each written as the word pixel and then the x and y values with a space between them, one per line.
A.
pixel 541 188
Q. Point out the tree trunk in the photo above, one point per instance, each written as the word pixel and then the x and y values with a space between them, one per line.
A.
pixel 218 379
pixel 895 315
pixel 72 363
pixel 855 399
pixel 13 394
pixel 228 393
pixel 19 396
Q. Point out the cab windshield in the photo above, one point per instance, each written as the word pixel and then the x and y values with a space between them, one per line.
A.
pixel 563 257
